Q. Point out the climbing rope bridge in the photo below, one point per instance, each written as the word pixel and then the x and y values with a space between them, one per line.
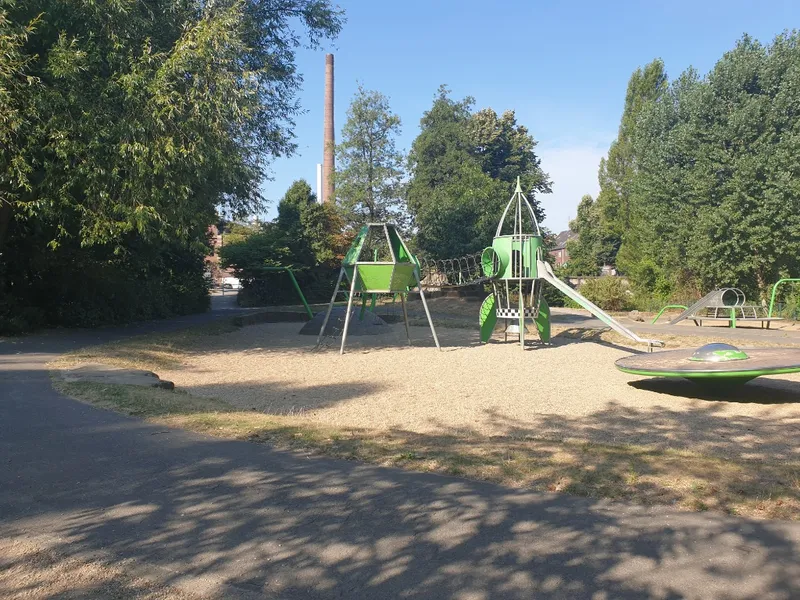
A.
pixel 451 272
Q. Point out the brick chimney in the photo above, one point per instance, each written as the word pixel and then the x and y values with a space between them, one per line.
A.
pixel 329 137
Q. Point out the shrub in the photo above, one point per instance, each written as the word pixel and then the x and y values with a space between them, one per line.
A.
pixel 275 289
pixel 609 293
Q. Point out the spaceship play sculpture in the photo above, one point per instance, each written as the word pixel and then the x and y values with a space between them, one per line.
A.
pixel 515 266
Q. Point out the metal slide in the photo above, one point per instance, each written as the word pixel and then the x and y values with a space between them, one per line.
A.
pixel 546 273
pixel 725 298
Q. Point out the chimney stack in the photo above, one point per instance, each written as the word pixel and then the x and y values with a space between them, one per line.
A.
pixel 329 137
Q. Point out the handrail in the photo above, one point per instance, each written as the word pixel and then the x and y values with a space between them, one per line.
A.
pixel 775 290
pixel 661 312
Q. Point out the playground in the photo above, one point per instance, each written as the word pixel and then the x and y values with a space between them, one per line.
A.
pixel 567 391
pixel 553 418
pixel 373 370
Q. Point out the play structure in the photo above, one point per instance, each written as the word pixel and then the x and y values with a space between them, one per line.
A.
pixel 713 364
pixel 378 262
pixel 515 266
pixel 725 304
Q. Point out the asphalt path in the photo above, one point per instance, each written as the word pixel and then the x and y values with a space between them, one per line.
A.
pixel 242 520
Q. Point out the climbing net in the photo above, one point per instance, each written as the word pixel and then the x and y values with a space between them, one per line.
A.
pixel 451 272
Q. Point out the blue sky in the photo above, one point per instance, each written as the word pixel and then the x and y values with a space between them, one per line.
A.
pixel 562 66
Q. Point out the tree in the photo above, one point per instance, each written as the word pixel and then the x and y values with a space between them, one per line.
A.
pixel 151 114
pixel 505 151
pixel 715 196
pixel 370 180
pixel 305 236
pixel 126 126
pixel 16 86
pixel 617 170
pixel 463 171
pixel 311 230
pixel 585 251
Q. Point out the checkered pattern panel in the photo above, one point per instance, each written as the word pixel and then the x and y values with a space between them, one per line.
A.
pixel 513 313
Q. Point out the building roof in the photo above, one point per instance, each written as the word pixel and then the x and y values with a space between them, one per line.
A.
pixel 562 239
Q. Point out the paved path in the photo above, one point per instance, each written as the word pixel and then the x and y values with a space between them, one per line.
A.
pixel 251 522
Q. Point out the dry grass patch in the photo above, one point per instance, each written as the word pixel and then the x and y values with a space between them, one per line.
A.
pixel 153 351
pixel 634 473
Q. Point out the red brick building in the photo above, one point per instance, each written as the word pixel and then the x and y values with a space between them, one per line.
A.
pixel 559 251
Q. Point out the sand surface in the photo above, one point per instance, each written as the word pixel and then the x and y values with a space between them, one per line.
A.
pixel 567 390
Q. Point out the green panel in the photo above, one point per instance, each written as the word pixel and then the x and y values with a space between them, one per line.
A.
pixel 400 251
pixel 403 277
pixel 375 277
pixel 490 262
pixel 488 318
pixel 543 321
pixel 355 248
pixel 533 246
pixel 502 246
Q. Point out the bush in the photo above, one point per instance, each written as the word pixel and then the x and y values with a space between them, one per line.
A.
pixel 75 286
pixel 275 289
pixel 609 293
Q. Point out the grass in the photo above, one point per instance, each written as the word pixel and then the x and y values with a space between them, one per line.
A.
pixel 620 472
pixel 154 351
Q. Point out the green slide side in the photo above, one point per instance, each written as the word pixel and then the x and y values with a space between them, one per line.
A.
pixel 543 321
pixel 488 318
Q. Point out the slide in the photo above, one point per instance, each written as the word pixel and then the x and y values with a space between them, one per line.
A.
pixel 724 297
pixel 546 273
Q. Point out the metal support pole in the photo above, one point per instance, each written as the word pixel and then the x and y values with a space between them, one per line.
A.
pixel 300 293
pixel 330 307
pixel 427 312
pixel 349 307
pixel 405 317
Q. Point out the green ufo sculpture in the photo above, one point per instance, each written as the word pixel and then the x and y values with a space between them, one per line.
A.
pixel 713 363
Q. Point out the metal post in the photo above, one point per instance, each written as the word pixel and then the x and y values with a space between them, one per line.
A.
pixel 774 292
pixel 330 306
pixel 405 317
pixel 349 307
pixel 520 267
pixel 300 293
pixel 427 312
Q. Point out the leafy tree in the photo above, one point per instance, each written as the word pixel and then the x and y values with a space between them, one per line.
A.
pixel 370 179
pixel 585 250
pixel 617 171
pixel 127 125
pixel 311 229
pixel 464 168
pixel 304 236
pixel 715 195
pixel 505 151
